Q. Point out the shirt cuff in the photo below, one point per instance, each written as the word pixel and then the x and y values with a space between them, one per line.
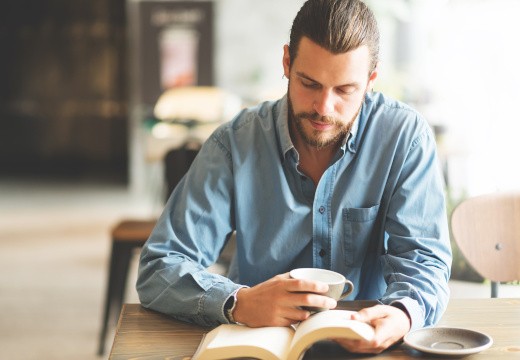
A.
pixel 214 300
pixel 232 294
pixel 413 310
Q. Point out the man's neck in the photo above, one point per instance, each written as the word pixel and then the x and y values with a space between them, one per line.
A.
pixel 313 160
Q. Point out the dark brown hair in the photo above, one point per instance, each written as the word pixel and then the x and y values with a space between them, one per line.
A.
pixel 336 25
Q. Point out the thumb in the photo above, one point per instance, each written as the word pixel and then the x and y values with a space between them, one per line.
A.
pixel 357 316
pixel 369 314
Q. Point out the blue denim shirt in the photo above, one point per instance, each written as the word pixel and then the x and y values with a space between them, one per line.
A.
pixel 377 215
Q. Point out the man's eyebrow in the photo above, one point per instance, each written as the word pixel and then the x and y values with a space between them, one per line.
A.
pixel 305 76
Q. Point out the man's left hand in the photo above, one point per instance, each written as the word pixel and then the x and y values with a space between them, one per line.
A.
pixel 390 324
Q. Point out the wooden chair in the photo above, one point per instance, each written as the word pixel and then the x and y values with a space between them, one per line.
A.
pixel 487 231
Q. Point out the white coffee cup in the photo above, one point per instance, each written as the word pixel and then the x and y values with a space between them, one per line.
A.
pixel 339 286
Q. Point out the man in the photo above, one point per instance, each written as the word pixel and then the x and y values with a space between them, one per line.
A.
pixel 331 176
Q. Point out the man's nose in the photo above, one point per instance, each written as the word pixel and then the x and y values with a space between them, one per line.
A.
pixel 324 103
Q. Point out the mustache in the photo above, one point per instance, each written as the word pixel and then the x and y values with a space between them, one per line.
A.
pixel 314 116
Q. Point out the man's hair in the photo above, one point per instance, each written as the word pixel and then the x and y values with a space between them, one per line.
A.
pixel 336 25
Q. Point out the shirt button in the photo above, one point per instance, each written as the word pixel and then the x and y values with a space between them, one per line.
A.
pixel 322 253
pixel 321 209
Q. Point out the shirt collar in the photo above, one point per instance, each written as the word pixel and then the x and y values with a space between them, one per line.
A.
pixel 282 122
pixel 351 138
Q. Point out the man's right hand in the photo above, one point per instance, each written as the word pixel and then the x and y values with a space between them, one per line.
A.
pixel 278 301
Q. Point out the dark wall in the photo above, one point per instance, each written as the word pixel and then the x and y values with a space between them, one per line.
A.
pixel 63 98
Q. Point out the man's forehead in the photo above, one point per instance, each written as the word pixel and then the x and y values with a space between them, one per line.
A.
pixel 306 42
pixel 317 63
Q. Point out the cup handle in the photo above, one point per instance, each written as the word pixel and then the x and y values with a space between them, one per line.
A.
pixel 349 289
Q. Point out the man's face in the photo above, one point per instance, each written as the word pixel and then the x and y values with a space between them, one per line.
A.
pixel 325 91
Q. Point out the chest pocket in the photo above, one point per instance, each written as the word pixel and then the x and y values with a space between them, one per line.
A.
pixel 358 225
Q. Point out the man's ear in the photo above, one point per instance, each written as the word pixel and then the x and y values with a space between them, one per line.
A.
pixel 286 61
pixel 372 78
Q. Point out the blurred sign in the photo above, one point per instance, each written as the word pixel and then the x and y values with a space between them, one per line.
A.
pixel 171 46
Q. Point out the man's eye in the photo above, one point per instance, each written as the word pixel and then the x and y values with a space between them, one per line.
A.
pixel 346 91
pixel 310 85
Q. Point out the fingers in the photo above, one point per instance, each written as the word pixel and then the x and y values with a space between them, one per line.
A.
pixel 279 301
pixel 313 300
pixel 374 346
pixel 371 313
pixel 293 316
pixel 282 317
pixel 390 325
pixel 300 285
pixel 309 293
pixel 362 346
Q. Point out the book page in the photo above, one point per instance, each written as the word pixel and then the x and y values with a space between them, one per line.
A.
pixel 325 325
pixel 229 341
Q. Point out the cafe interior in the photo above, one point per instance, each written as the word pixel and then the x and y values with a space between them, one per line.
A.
pixel 97 95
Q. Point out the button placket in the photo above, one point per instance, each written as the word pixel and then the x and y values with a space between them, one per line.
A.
pixel 322 220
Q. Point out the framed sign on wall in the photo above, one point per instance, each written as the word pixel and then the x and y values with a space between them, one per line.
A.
pixel 171 45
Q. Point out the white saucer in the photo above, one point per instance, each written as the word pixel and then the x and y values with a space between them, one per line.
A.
pixel 448 341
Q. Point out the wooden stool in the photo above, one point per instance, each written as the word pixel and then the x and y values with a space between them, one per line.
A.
pixel 127 236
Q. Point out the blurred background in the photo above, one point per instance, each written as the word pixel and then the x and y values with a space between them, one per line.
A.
pixel 82 140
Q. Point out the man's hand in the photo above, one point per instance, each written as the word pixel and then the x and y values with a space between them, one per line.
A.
pixel 390 323
pixel 277 301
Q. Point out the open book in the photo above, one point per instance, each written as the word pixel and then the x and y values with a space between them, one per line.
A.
pixel 280 343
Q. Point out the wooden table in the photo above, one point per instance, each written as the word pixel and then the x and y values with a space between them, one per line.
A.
pixel 145 334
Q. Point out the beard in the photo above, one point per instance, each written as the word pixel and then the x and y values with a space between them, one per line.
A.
pixel 317 138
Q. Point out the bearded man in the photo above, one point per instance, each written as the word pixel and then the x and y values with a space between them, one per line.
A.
pixel 331 176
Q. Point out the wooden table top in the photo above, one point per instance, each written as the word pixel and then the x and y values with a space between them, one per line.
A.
pixel 145 334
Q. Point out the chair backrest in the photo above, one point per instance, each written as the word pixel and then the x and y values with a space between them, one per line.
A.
pixel 487 231
pixel 177 163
